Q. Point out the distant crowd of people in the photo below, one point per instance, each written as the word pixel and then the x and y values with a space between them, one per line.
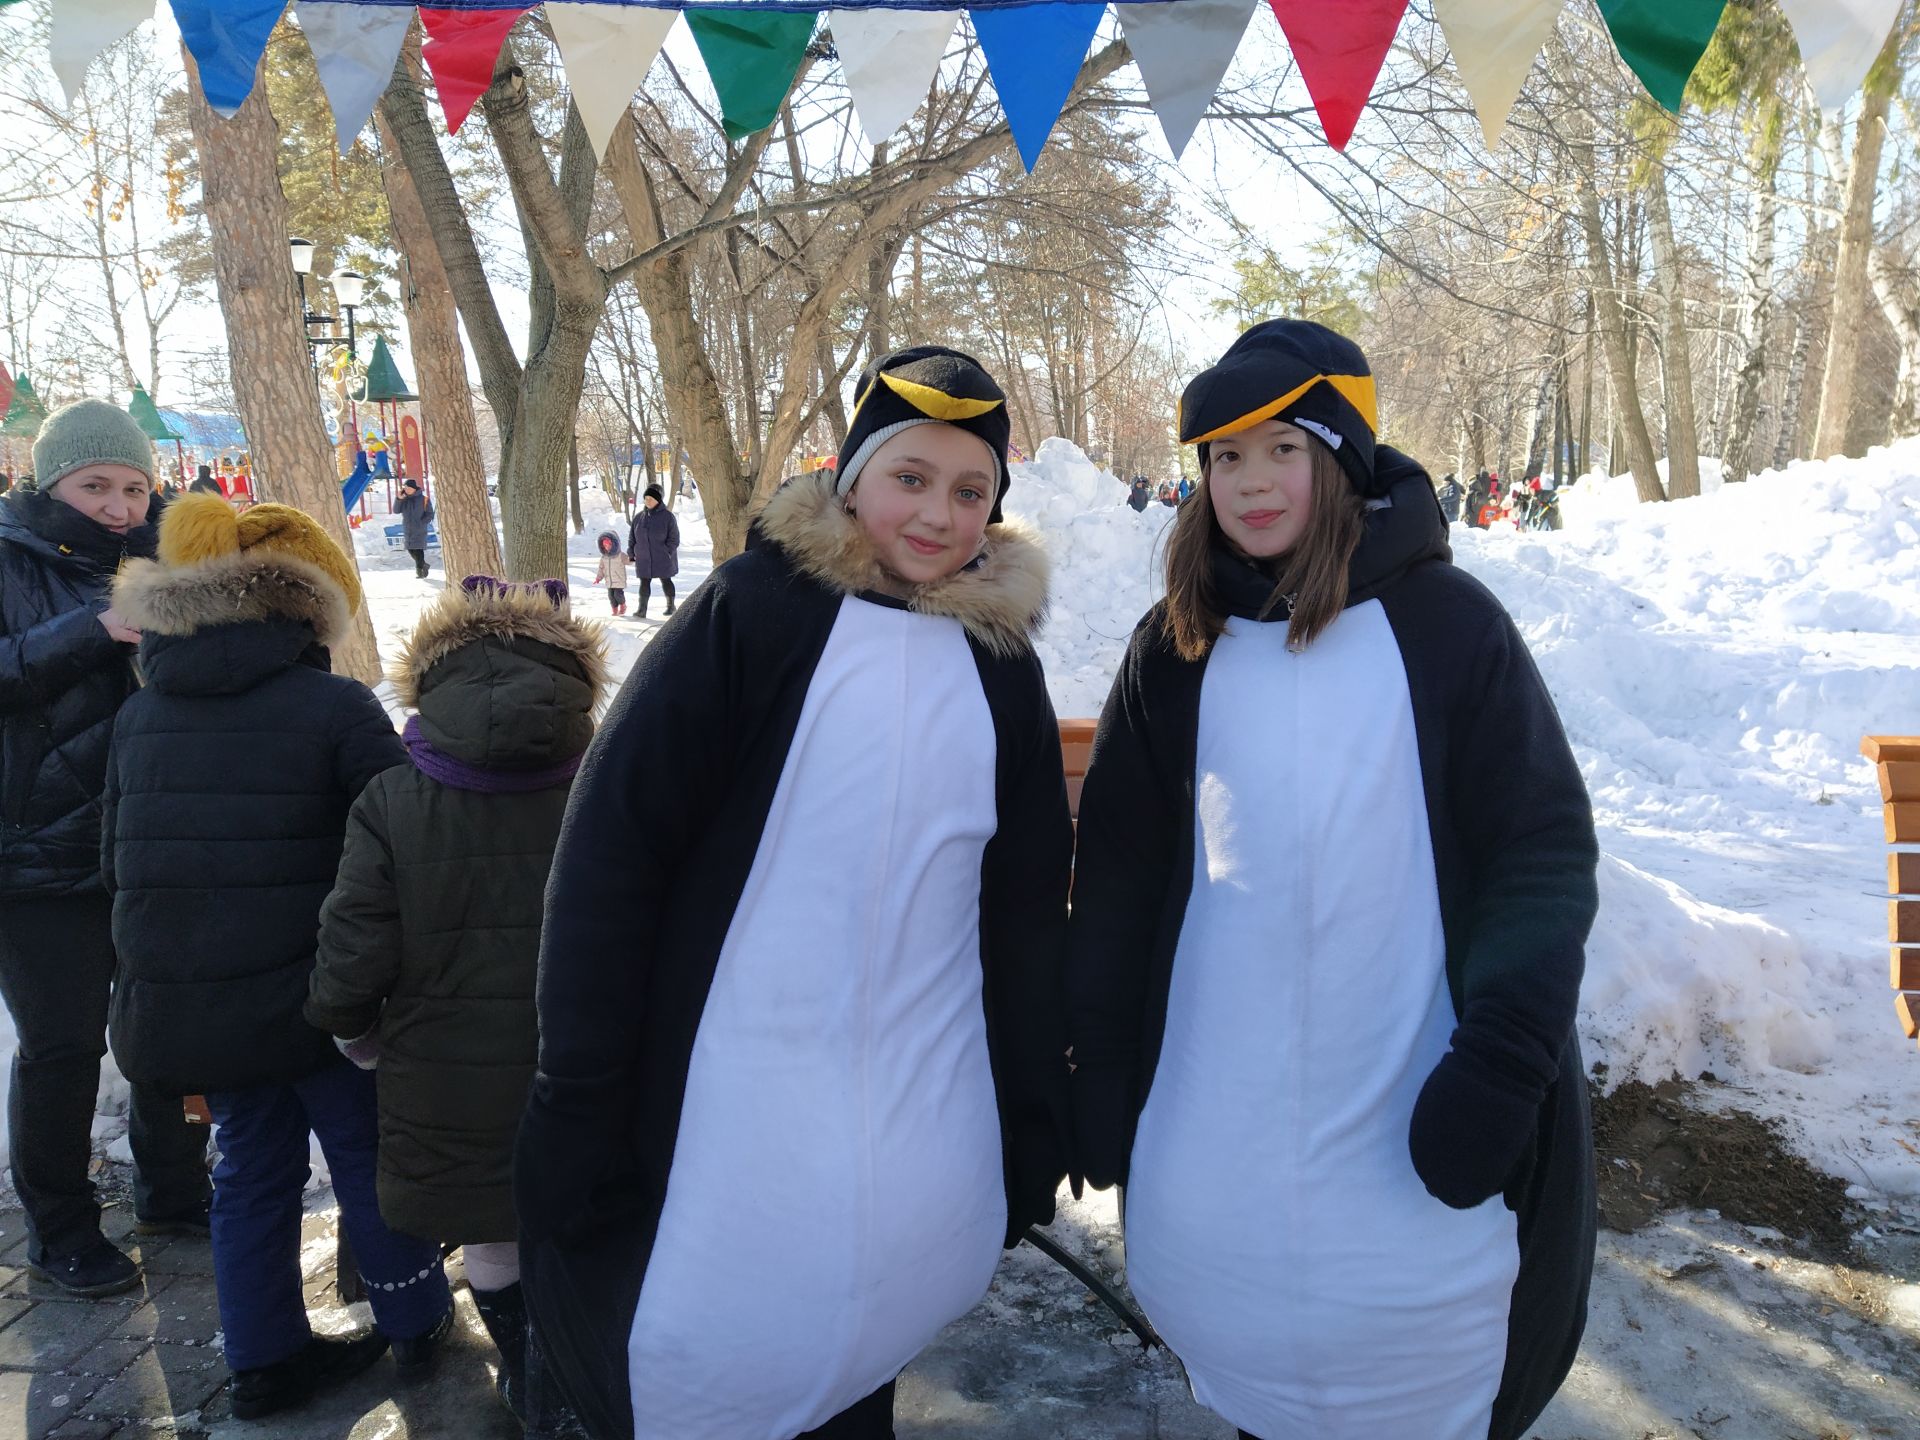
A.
pixel 1142 492
pixel 1530 504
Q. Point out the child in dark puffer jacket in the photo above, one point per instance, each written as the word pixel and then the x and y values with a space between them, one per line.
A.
pixel 429 942
pixel 226 806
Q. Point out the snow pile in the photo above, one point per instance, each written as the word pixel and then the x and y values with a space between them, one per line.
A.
pixel 1716 661
pixel 1106 568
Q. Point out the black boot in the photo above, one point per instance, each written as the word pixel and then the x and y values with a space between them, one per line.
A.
pixel 324 1361
pixel 504 1313
pixel 414 1357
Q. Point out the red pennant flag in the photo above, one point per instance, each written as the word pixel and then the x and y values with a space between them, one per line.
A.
pixel 460 49
pixel 1339 46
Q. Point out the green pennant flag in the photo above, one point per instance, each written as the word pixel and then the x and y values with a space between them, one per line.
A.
pixel 147 416
pixel 383 376
pixel 752 57
pixel 1662 40
pixel 24 412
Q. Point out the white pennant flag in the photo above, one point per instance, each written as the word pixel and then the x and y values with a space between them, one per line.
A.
pixel 1494 45
pixel 354 48
pixel 1183 50
pixel 81 29
pixel 889 58
pixel 1838 42
pixel 608 50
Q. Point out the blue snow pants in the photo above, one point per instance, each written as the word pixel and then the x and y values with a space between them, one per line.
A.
pixel 257 1187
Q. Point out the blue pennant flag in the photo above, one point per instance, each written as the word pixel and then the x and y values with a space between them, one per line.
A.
pixel 1034 53
pixel 227 38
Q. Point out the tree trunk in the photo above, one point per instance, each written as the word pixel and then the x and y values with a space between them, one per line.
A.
pixel 1612 323
pixel 272 378
pixel 1676 347
pixel 1852 284
pixel 1903 314
pixel 1756 317
pixel 469 543
pixel 573 482
pixel 1539 436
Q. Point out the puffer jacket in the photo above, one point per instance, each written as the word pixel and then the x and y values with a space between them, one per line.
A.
pixel 226 808
pixel 432 933
pixel 62 680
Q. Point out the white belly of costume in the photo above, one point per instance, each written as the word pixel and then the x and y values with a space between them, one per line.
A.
pixel 1277 1235
pixel 836 1196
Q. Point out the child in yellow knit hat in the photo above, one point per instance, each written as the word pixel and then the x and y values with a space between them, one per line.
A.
pixel 226 807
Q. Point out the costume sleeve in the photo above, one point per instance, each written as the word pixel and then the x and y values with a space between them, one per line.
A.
pixel 367 742
pixel 1521 811
pixel 360 935
pixel 1122 869
pixel 657 769
pixel 1025 873
pixel 44 660
pixel 109 816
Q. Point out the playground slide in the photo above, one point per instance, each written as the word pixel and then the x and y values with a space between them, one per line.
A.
pixel 355 485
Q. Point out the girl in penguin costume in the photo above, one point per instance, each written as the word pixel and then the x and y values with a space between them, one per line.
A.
pixel 802 1079
pixel 1324 967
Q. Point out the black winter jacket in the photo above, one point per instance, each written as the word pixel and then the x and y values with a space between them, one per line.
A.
pixel 226 808
pixel 432 932
pixel 62 679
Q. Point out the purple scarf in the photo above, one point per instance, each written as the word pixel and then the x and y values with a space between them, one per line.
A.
pixel 438 765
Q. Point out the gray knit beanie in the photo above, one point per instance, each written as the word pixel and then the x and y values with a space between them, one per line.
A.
pixel 89 432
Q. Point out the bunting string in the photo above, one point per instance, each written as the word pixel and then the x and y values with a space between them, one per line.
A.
pixel 890 50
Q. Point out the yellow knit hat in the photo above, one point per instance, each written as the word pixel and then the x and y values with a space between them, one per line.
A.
pixel 198 528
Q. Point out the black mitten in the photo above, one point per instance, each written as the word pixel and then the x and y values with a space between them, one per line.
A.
pixel 1473 1127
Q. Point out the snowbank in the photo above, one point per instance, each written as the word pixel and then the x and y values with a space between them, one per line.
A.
pixel 1715 661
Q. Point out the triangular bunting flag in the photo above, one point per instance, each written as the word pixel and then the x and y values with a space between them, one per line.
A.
pixel 1494 45
pixel 889 58
pixel 460 49
pixel 227 39
pixel 1662 40
pixel 354 47
pixel 1034 53
pixel 78 33
pixel 752 57
pixel 1838 42
pixel 1339 50
pixel 1183 51
pixel 608 50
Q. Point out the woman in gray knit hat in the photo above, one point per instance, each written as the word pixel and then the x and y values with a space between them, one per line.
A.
pixel 65 669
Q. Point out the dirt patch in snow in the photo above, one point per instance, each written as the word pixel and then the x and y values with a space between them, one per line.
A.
pixel 1656 1152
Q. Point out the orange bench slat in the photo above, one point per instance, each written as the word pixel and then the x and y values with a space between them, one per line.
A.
pixel 1899 780
pixel 1903 822
pixel 1890 747
pixel 1903 873
pixel 1907 1006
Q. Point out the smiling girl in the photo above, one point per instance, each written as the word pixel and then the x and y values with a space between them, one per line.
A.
pixel 1323 969
pixel 804 1076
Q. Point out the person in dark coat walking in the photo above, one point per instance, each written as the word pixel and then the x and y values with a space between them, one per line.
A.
pixel 1451 494
pixel 416 513
pixel 653 545
pixel 226 806
pixel 65 670
pixel 203 483
pixel 430 939
pixel 1139 494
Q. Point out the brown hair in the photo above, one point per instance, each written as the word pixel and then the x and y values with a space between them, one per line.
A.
pixel 1314 572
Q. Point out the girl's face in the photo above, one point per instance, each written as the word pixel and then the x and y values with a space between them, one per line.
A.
pixel 1261 483
pixel 652 502
pixel 115 496
pixel 924 499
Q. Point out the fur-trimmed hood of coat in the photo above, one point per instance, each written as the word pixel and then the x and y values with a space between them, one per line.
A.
pixel 1001 598
pixel 460 617
pixel 246 585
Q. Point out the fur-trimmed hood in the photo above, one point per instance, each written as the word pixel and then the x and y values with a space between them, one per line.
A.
pixel 460 617
pixel 502 678
pixel 232 589
pixel 1001 598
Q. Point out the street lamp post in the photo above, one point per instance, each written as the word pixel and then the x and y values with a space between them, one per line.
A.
pixel 302 253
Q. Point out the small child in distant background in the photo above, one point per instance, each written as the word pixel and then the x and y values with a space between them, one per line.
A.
pixel 613 571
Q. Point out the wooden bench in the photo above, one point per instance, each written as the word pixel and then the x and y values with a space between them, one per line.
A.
pixel 1896 758
pixel 1076 747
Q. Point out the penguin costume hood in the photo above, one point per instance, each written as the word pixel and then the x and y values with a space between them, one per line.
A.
pixel 925 385
pixel 1296 371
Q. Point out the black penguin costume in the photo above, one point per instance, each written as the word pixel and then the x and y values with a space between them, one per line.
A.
pixel 1330 909
pixel 803 1077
